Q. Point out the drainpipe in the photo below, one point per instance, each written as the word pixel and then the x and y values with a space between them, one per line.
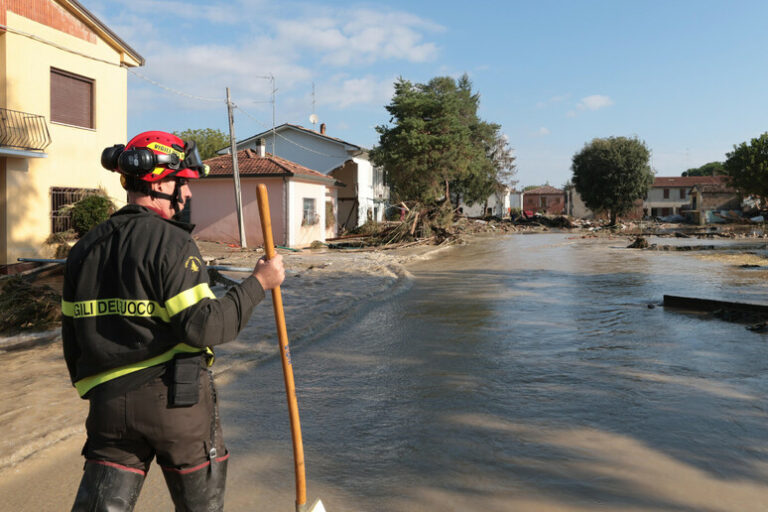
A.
pixel 286 211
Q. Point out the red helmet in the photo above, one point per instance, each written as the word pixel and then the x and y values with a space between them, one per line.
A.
pixel 153 156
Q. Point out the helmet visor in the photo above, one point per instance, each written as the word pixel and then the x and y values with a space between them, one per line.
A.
pixel 192 159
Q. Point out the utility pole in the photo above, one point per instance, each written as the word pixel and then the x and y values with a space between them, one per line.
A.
pixel 235 172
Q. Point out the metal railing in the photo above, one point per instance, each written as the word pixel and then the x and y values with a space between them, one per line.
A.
pixel 22 130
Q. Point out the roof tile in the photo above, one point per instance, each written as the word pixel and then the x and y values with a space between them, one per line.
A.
pixel 249 163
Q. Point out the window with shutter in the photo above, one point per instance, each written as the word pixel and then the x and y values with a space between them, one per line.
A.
pixel 71 99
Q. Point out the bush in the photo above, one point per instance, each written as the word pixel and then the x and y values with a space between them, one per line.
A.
pixel 90 211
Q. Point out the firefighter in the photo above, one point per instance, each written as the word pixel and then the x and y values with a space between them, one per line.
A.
pixel 139 323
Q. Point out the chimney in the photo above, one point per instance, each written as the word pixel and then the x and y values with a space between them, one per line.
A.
pixel 262 148
pixel 322 128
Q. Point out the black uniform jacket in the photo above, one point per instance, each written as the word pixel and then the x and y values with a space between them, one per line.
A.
pixel 136 293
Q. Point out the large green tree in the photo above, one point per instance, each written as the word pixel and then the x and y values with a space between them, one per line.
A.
pixel 208 140
pixel 708 169
pixel 747 165
pixel 436 147
pixel 612 173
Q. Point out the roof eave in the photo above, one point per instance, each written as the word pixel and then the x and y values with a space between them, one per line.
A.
pixel 128 56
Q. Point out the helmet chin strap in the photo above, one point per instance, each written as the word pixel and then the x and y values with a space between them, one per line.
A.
pixel 173 198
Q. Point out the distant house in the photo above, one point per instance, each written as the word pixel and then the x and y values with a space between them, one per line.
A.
pixel 574 205
pixel 544 199
pixel 63 99
pixel 365 194
pixel 708 199
pixel 497 205
pixel 670 195
pixel 302 201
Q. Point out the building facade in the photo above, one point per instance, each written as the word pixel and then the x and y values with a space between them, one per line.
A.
pixel 302 202
pixel 63 99
pixel 365 193
pixel 546 199
pixel 671 195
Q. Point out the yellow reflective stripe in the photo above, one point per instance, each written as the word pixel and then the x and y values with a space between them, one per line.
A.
pixel 187 298
pixel 88 383
pixel 115 306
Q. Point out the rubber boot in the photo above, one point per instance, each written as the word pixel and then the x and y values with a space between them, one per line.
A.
pixel 106 488
pixel 198 491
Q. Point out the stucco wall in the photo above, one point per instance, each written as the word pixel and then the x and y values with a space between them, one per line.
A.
pixel 214 213
pixel 74 154
pixel 304 235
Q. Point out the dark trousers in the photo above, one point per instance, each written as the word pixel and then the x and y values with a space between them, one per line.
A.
pixel 132 428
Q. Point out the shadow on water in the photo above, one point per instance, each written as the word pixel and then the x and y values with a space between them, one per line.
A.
pixel 556 382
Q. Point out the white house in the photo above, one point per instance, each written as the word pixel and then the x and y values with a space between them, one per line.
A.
pixel 497 204
pixel 302 202
pixel 668 195
pixel 364 195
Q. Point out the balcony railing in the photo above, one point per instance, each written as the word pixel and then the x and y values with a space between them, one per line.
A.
pixel 22 130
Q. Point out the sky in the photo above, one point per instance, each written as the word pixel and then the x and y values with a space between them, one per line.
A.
pixel 689 78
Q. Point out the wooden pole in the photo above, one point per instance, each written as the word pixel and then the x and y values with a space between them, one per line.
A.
pixel 285 356
pixel 236 172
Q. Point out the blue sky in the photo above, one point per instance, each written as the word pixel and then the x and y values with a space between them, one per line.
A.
pixel 687 77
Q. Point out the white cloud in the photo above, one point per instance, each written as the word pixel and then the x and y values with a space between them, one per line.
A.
pixel 344 37
pixel 218 45
pixel 594 102
pixel 343 91
pixel 543 131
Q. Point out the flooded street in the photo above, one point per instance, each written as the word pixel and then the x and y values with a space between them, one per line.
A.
pixel 527 373
pixel 519 373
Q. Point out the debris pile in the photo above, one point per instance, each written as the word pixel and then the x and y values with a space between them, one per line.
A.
pixel 27 307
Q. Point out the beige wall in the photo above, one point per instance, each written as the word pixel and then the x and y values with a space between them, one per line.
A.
pixel 215 218
pixel 74 154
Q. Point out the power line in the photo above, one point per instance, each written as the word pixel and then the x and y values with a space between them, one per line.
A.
pixel 174 91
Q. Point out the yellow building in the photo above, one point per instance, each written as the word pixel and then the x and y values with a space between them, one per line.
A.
pixel 63 99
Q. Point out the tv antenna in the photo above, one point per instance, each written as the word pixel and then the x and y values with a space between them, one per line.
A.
pixel 313 117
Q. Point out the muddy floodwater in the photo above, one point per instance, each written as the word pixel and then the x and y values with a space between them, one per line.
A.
pixel 519 373
pixel 528 373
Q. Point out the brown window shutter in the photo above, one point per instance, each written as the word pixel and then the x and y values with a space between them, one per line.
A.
pixel 71 99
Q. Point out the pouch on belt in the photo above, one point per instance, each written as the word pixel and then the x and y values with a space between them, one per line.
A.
pixel 185 389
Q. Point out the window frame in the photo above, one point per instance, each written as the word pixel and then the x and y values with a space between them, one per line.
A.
pixel 309 215
pixel 92 93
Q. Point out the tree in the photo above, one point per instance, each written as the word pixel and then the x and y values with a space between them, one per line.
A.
pixel 437 147
pixel 747 165
pixel 709 169
pixel 490 176
pixel 610 174
pixel 208 140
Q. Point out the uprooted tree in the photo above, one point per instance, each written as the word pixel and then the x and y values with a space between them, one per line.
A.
pixel 437 148
pixel 612 173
